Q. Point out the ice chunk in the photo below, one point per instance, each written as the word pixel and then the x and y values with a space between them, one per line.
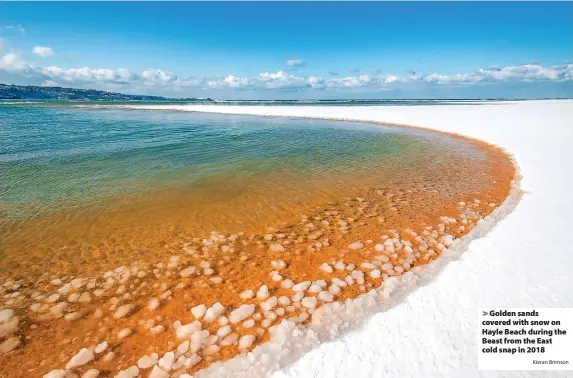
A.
pixel 263 292
pixel 326 268
pixel 302 286
pixel 278 264
pixel 309 302
pixel 146 362
pixel 325 296
pixel 276 248
pixel 187 271
pixel 241 313
pixel 9 345
pixel 214 312
pixel 166 362
pixel 355 245
pixel 92 373
pixel 246 341
pixel 199 311
pixel 131 372
pixel 186 330
pixel 123 311
pixel 84 356
pixel 247 294
pixel 269 304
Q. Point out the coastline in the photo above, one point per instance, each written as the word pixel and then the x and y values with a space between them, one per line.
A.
pixel 510 267
pixel 332 320
pixel 502 168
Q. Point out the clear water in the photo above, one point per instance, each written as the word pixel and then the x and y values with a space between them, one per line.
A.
pixel 59 155
pixel 119 184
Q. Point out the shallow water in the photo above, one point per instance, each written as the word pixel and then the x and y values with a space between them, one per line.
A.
pixel 54 154
pixel 71 177
pixel 112 209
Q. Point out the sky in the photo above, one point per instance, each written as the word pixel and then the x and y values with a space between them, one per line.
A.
pixel 296 50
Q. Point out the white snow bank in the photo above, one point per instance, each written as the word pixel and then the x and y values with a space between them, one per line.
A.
pixel 525 261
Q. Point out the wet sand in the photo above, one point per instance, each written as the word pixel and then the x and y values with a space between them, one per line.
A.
pixel 342 240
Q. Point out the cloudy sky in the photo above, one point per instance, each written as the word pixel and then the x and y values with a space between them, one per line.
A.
pixel 293 50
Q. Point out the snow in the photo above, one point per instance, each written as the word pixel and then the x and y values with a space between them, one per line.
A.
pixel 241 313
pixel 186 330
pixel 425 323
pixel 6 314
pixel 303 286
pixel 84 356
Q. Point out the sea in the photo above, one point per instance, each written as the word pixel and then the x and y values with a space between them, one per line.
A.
pixel 73 174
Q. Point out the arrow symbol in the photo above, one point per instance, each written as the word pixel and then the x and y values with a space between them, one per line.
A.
pixel 484 313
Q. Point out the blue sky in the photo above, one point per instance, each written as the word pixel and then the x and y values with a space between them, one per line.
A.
pixel 293 50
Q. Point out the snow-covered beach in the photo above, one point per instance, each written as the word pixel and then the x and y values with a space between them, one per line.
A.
pixel 524 261
pixel 417 321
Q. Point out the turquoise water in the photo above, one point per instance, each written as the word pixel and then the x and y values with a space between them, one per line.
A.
pixel 60 155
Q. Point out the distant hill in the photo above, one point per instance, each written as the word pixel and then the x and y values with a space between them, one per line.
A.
pixel 31 92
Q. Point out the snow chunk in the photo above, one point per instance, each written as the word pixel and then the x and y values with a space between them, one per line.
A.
pixel 210 350
pixel 269 304
pixel 184 331
pixel 263 292
pixel 92 373
pixel 9 345
pixel 241 313
pixel 166 362
pixel 309 302
pixel 84 356
pixel 124 333
pixel 246 341
pixel 278 264
pixel 6 314
pixel 146 362
pixel 214 312
pixel 187 271
pixel 284 300
pixel 286 284
pixel 276 248
pixel 153 303
pixel 199 311
pixel 157 372
pixel 327 268
pixel 101 347
pixel 355 245
pixel 247 294
pixel 302 286
pixel 325 296
pixel 131 372
pixel 314 288
pixel 223 331
pixel 367 265
pixel 124 311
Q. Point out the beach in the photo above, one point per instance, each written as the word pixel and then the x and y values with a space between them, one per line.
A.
pixel 400 297
pixel 524 261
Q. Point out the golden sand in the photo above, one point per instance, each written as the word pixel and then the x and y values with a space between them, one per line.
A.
pixel 142 249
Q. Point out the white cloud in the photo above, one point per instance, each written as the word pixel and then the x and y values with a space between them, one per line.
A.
pixel 43 51
pixel 295 62
pixel 49 83
pixel 2 45
pixel 159 77
pixel 163 81
pixel 18 28
pixel 13 62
